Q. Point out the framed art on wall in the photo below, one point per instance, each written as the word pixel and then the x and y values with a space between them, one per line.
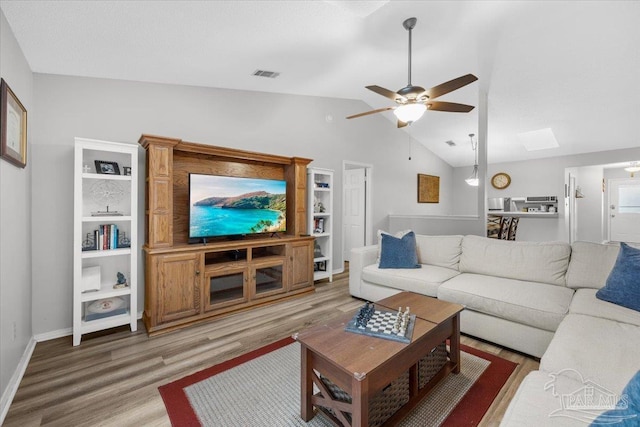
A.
pixel 13 127
pixel 428 188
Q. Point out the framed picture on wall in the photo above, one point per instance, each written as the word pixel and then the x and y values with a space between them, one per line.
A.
pixel 13 127
pixel 428 188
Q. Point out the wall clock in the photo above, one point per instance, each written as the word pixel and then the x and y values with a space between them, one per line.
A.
pixel 500 180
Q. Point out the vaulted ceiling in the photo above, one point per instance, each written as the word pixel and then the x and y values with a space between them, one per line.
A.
pixel 572 66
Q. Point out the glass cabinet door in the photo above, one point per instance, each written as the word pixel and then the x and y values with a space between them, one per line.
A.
pixel 268 278
pixel 226 287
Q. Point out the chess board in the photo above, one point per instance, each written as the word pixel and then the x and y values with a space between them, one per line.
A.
pixel 381 324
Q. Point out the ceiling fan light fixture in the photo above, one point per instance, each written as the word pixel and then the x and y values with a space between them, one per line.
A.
pixel 409 113
pixel 411 99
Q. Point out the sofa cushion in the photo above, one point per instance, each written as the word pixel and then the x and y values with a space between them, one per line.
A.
pixel 381 232
pixel 443 251
pixel 590 264
pixel 539 402
pixel 536 304
pixel 399 252
pixel 623 283
pixel 544 262
pixel 601 350
pixel 585 302
pixel 425 280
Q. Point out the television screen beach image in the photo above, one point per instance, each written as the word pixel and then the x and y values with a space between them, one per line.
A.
pixel 226 206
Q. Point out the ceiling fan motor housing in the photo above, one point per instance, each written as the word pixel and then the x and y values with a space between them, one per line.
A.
pixel 412 92
pixel 409 23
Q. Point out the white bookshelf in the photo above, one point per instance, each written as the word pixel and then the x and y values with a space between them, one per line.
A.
pixel 93 192
pixel 320 226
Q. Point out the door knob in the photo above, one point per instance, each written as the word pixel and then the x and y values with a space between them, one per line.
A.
pixel 613 207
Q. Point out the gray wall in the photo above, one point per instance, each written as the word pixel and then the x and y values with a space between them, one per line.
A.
pixel 277 124
pixel 15 217
pixel 546 177
pixel 469 217
pixel 465 197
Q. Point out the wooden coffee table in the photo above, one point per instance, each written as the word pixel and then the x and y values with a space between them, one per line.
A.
pixel 362 365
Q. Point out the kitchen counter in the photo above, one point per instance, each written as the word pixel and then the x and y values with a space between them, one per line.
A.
pixel 518 214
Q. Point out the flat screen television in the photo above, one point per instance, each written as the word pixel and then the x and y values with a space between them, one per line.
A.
pixel 231 206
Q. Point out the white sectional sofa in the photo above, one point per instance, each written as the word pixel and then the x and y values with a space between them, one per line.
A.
pixel 535 297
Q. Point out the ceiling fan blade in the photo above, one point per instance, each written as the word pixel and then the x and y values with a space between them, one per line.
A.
pixel 449 86
pixel 402 124
pixel 379 110
pixel 449 106
pixel 386 93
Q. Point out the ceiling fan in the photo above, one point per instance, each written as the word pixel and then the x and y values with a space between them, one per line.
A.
pixel 413 101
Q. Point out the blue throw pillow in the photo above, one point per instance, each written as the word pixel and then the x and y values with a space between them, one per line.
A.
pixel 623 283
pixel 627 411
pixel 399 252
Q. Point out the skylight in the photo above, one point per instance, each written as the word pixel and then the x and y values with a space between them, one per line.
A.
pixel 542 139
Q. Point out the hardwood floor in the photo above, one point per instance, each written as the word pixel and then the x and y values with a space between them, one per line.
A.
pixel 112 379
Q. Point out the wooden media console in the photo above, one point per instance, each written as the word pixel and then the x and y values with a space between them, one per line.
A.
pixel 190 283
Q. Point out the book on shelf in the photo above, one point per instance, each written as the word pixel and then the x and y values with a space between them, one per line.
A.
pixel 105 237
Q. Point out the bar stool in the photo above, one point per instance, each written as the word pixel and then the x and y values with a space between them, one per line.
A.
pixel 493 226
pixel 513 227
pixel 505 226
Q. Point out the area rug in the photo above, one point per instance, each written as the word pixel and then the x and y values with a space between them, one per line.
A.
pixel 262 388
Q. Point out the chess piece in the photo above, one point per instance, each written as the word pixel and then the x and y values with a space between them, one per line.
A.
pixel 396 326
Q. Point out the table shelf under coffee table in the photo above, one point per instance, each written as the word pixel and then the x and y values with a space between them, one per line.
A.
pixel 363 366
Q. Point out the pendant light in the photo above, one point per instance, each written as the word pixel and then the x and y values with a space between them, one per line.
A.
pixel 473 179
pixel 633 167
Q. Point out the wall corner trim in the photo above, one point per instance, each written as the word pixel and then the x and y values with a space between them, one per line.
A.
pixel 10 392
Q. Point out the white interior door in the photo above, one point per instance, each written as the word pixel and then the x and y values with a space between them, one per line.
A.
pixel 624 210
pixel 354 212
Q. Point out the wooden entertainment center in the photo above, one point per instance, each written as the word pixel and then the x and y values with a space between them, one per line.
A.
pixel 190 283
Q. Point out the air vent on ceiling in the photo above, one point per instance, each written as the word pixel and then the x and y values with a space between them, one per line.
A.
pixel 263 73
pixel 450 143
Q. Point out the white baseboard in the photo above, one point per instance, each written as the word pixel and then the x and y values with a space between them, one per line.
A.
pixel 14 382
pixel 52 335
pixel 12 387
